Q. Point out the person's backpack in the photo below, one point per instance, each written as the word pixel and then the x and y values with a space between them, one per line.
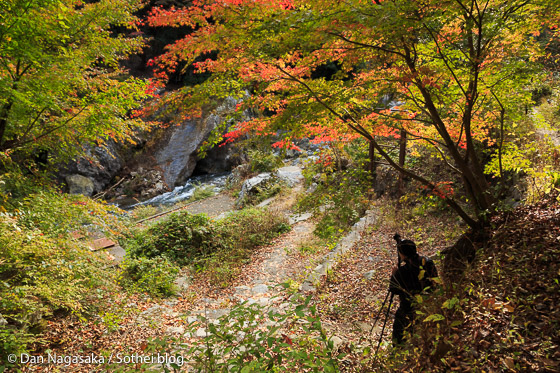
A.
pixel 427 272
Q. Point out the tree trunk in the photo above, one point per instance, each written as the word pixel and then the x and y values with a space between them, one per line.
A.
pixel 372 168
pixel 4 121
pixel 469 166
pixel 402 159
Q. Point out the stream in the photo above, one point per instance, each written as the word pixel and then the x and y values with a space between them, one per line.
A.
pixel 182 193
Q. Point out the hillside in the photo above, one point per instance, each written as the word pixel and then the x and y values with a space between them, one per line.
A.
pixel 499 315
pixel 217 186
pixel 484 319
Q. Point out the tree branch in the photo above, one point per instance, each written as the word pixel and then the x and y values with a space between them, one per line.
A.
pixel 361 131
pixel 390 51
pixel 49 131
pixel 450 201
pixel 445 61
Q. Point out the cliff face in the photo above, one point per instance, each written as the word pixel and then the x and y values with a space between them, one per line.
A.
pixel 91 174
pixel 162 160
pixel 176 154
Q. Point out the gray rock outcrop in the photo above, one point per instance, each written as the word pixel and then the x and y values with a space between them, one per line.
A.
pixel 255 185
pixel 3 321
pixel 100 165
pixel 291 175
pixel 171 157
pixel 79 184
pixel 177 156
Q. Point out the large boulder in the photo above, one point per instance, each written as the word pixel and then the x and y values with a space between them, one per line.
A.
pixel 100 165
pixel 255 186
pixel 291 175
pixel 79 184
pixel 267 183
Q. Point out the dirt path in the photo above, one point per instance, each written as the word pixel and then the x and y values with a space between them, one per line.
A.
pixel 275 264
pixel 213 206
pixel 280 261
pixel 272 265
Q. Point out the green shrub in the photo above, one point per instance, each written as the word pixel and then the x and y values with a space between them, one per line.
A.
pixel 202 192
pixel 41 275
pixel 218 247
pixel 142 212
pixel 242 232
pixel 340 198
pixel 327 227
pixel 260 161
pixel 38 204
pixel 42 271
pixel 13 341
pixel 152 275
pixel 251 227
pixel 182 237
pixel 16 184
pixel 56 213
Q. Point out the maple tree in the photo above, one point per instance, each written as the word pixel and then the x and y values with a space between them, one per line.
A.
pixel 449 74
pixel 61 85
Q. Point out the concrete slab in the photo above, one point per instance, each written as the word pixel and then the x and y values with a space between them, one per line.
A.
pixel 101 243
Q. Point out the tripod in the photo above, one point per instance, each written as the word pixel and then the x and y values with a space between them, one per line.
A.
pixel 386 317
pixel 397 238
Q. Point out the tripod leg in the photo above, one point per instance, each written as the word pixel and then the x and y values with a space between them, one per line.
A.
pixel 384 324
pixel 379 312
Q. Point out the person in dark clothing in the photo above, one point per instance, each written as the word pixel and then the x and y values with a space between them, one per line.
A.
pixel 408 280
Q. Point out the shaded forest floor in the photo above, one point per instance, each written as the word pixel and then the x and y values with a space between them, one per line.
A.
pixel 500 315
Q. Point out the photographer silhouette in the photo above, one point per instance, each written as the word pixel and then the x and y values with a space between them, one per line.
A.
pixel 412 278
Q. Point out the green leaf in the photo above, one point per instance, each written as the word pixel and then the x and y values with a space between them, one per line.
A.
pixel 451 303
pixel 435 317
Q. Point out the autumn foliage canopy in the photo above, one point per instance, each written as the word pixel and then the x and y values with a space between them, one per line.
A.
pixel 450 74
